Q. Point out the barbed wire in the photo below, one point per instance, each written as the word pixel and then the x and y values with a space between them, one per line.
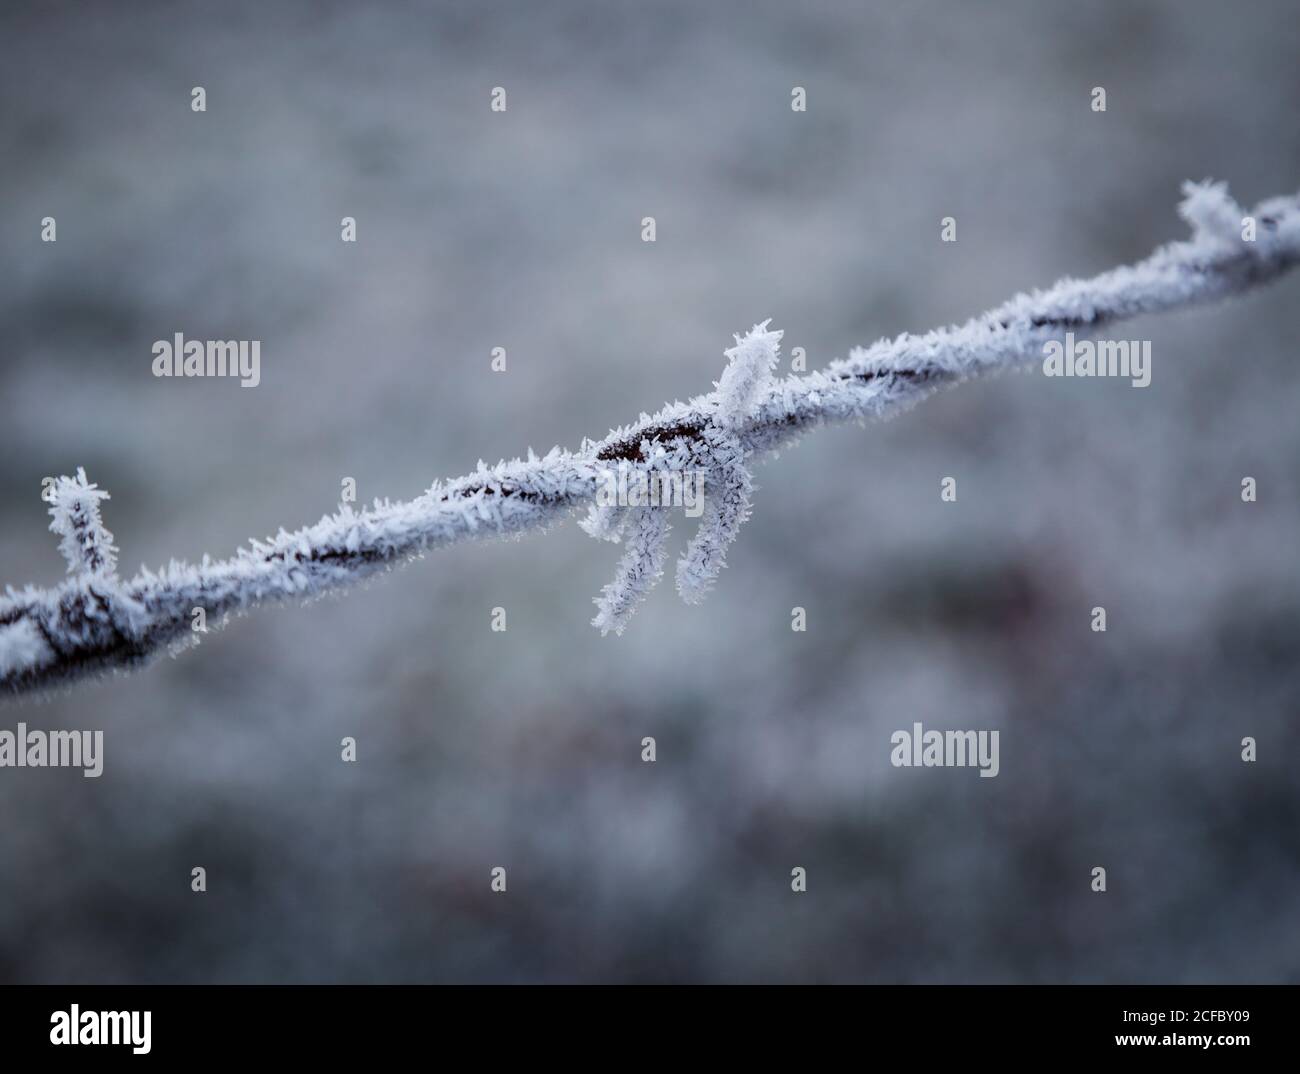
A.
pixel 95 621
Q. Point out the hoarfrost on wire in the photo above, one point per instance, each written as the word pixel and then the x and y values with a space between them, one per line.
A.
pixel 95 621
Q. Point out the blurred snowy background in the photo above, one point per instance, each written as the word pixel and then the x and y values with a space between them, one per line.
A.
pixel 521 749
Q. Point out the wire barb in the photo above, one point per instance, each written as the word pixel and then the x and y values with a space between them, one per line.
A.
pixel 74 512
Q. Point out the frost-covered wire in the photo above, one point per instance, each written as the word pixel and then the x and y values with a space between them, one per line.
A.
pixel 96 621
